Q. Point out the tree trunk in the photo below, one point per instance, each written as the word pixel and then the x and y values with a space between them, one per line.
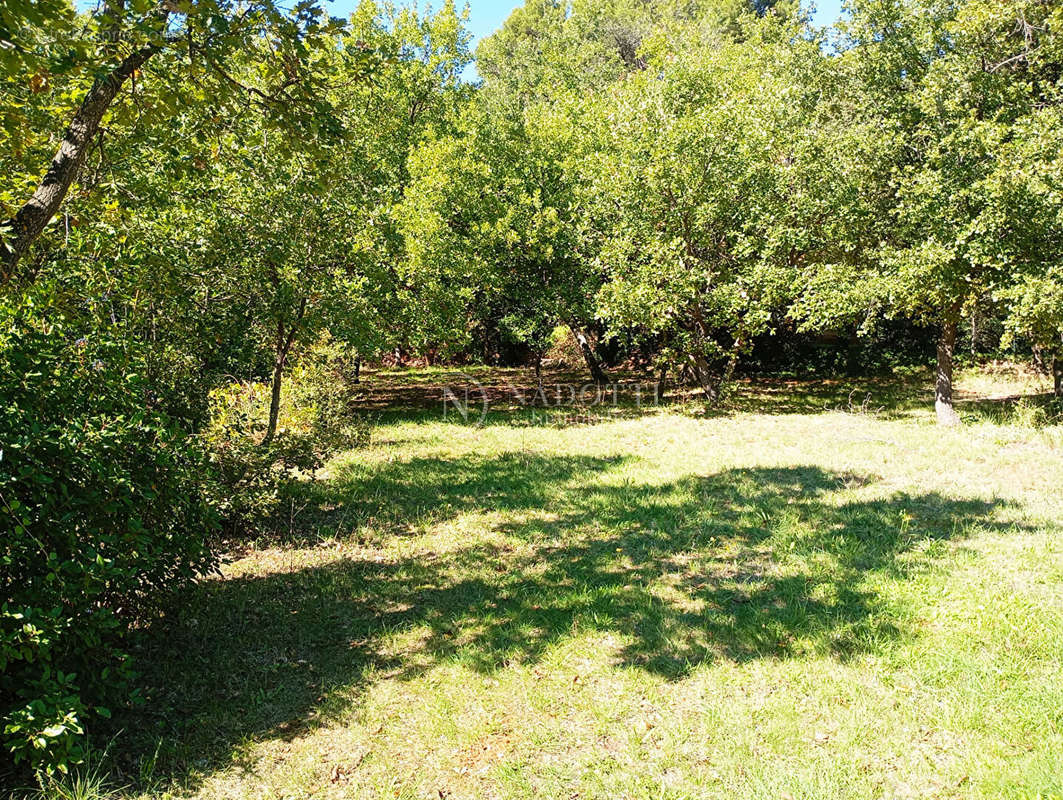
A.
pixel 853 355
pixel 946 413
pixel 1057 375
pixel 597 373
pixel 712 385
pixel 275 399
pixel 732 361
pixel 1039 359
pixel 539 370
pixel 703 375
pixel 357 370
pixel 284 347
pixel 30 220
pixel 661 378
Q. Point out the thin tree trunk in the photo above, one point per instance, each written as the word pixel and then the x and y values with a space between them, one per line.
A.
pixel 699 364
pixel 1057 374
pixel 357 370
pixel 853 365
pixel 539 370
pixel 732 361
pixel 1039 360
pixel 946 412
pixel 597 373
pixel 284 347
pixel 661 378
pixel 30 221
pixel 714 388
pixel 275 399
pixel 703 375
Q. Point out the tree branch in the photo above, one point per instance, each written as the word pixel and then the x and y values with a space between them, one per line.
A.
pixel 23 229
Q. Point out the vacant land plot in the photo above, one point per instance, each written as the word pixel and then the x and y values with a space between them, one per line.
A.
pixel 811 604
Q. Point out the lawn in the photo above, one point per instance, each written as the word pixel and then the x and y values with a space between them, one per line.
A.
pixel 813 595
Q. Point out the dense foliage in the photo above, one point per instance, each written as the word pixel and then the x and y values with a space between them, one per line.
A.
pixel 104 513
pixel 214 209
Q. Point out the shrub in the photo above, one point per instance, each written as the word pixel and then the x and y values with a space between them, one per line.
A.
pixel 103 514
pixel 1027 413
pixel 563 349
pixel 88 781
pixel 256 481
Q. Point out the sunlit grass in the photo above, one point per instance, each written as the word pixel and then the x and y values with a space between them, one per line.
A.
pixel 675 605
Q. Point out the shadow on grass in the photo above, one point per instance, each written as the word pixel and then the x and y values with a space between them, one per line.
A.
pixel 744 564
pixel 1026 410
pixel 885 396
pixel 512 396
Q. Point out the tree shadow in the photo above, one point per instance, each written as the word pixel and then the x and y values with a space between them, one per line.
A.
pixel 888 396
pixel 1005 410
pixel 394 497
pixel 744 564
pixel 512 398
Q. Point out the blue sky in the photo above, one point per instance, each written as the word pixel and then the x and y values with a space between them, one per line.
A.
pixel 486 16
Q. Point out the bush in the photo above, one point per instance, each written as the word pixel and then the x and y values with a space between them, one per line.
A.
pixel 1027 413
pixel 256 482
pixel 563 351
pixel 103 514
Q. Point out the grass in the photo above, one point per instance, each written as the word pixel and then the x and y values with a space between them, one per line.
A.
pixel 784 601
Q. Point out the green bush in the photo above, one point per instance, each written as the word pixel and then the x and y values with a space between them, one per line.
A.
pixel 103 514
pixel 1027 413
pixel 255 481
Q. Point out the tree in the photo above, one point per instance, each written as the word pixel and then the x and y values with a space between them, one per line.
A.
pixel 104 51
pixel 545 47
pixel 494 207
pixel 287 259
pixel 713 194
pixel 953 84
pixel 1035 314
pixel 418 98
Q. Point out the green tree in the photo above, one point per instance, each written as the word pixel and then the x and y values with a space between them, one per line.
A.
pixel 418 98
pixel 181 52
pixel 954 86
pixel 495 208
pixel 211 236
pixel 546 46
pixel 717 186
pixel 1035 314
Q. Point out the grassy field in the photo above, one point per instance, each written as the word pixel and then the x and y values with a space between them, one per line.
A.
pixel 814 595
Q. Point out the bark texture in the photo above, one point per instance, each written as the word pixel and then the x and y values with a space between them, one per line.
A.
pixel 662 383
pixel 946 412
pixel 284 348
pixel 275 398
pixel 24 228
